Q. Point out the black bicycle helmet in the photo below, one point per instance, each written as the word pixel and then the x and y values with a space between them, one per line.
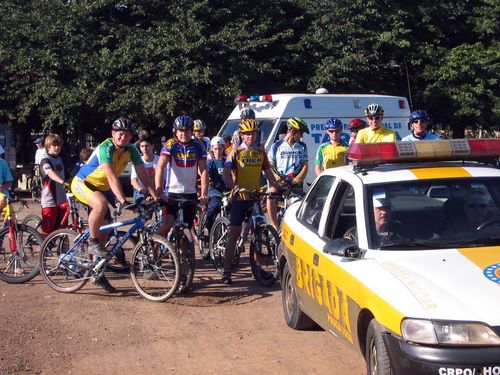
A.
pixel 123 123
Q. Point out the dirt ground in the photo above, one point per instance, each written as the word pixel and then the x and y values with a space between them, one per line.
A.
pixel 214 329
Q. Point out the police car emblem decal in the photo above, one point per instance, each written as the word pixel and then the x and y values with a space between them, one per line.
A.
pixel 493 272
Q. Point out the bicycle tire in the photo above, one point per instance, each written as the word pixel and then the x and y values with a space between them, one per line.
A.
pixel 218 240
pixel 187 266
pixel 71 273
pixel 33 220
pixel 203 246
pixel 24 264
pixel 263 257
pixel 122 265
pixel 155 279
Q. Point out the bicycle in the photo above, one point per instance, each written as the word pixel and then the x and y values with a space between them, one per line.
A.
pixel 202 238
pixel 288 196
pixel 179 233
pixel 36 184
pixel 155 271
pixel 19 248
pixel 263 243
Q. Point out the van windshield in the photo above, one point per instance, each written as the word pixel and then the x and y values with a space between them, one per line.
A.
pixel 265 125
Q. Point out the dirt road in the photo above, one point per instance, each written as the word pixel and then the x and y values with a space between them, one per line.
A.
pixel 215 329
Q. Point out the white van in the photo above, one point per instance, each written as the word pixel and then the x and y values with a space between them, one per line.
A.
pixel 272 112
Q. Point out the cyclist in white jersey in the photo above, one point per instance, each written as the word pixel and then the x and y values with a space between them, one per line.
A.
pixel 288 158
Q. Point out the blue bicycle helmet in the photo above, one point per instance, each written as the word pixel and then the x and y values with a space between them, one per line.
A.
pixel 183 122
pixel 333 123
pixel 419 115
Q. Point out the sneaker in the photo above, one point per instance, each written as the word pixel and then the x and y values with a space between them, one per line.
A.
pixel 182 284
pixel 103 282
pixel 95 248
pixel 226 278
pixel 120 258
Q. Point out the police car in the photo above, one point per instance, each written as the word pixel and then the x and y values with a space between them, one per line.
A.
pixel 398 255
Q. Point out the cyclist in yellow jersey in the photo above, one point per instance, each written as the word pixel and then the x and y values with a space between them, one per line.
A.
pixel 98 178
pixel 331 154
pixel 375 133
pixel 242 170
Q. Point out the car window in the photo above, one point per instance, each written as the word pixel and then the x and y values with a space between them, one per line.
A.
pixel 441 213
pixel 312 207
pixel 341 220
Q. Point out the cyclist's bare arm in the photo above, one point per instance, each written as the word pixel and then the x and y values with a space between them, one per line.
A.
pixel 135 183
pixel 227 177
pixel 302 174
pixel 160 168
pixel 272 181
pixel 146 180
pixel 203 171
pixel 114 182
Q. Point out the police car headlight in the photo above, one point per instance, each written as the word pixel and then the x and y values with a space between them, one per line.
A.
pixel 448 333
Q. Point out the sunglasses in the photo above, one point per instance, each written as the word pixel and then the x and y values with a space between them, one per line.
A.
pixel 374 117
pixel 419 121
pixel 334 130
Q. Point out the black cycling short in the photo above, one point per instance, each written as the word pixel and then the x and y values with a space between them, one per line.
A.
pixel 172 207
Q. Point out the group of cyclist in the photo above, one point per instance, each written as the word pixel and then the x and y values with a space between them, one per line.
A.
pixel 191 167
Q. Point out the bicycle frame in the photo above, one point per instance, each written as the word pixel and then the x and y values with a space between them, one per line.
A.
pixel 137 224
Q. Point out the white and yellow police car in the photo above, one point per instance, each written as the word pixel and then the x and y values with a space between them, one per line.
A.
pixel 399 256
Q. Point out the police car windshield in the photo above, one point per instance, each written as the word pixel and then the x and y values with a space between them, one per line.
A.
pixel 265 126
pixel 445 213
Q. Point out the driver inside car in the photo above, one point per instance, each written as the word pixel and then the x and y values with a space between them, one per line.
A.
pixel 386 230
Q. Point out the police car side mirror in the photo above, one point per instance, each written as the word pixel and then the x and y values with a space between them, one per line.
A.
pixel 342 247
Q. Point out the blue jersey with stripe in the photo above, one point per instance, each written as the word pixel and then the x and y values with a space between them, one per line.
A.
pixel 288 159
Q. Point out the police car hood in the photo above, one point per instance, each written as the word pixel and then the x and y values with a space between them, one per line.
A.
pixel 461 284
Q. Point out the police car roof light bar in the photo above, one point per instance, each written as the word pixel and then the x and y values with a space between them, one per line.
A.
pixel 453 149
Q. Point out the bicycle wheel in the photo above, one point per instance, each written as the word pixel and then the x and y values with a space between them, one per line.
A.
pixel 120 263
pixel 263 257
pixel 20 265
pixel 187 265
pixel 32 220
pixel 65 266
pixel 201 236
pixel 218 240
pixel 155 269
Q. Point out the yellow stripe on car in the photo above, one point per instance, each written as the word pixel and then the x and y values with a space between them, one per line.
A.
pixel 440 172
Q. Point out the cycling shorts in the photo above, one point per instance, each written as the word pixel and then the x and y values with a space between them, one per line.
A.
pixel 83 190
pixel 238 211
pixel 172 207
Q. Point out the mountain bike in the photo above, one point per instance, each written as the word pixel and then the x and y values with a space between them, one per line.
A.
pixel 155 271
pixel 202 234
pixel 180 233
pixel 264 242
pixel 19 248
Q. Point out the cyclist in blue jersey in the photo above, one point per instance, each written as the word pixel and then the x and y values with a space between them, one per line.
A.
pixel 288 158
pixel 96 184
pixel 419 120
pixel 217 185
pixel 182 158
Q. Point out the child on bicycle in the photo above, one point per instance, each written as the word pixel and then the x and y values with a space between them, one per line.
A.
pixel 217 186
pixel 55 207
